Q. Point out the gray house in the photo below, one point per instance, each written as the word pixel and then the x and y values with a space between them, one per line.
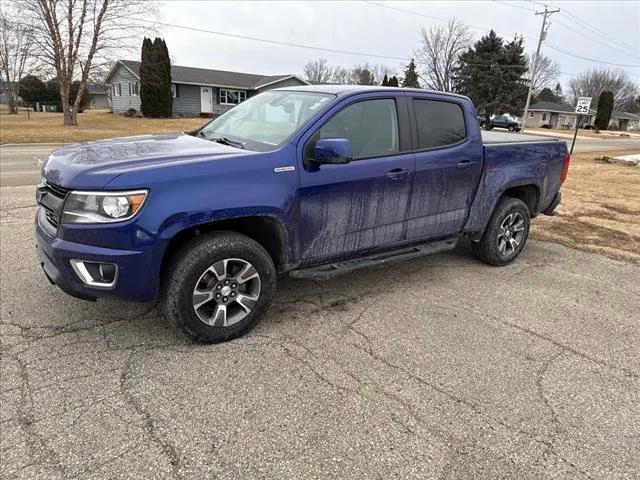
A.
pixel 98 95
pixel 196 91
pixel 556 115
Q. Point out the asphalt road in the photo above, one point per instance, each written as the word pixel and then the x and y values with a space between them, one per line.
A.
pixel 18 167
pixel 441 367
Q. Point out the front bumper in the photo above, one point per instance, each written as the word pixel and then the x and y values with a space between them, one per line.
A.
pixel 135 281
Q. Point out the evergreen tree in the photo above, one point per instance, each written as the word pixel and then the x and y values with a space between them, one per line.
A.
pixel 558 91
pixel 605 108
pixel 148 83
pixel 155 79
pixel 385 81
pixel 393 82
pixel 411 76
pixel 547 95
pixel 492 74
pixel 166 98
pixel 32 89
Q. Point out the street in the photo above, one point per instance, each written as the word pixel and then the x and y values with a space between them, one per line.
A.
pixel 438 367
pixel 18 166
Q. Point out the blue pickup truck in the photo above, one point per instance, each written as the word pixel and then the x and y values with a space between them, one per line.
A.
pixel 311 181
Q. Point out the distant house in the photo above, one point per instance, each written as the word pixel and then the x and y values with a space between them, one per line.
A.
pixel 4 91
pixel 195 91
pixel 556 115
pixel 98 95
pixel 562 115
pixel 624 121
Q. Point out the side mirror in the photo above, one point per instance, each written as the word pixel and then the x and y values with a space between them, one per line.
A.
pixel 332 150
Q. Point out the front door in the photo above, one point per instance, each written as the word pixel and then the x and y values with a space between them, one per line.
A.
pixel 448 168
pixel 206 100
pixel 363 204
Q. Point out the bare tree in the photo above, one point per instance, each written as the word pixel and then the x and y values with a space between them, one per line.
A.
pixel 76 37
pixel 593 82
pixel 16 46
pixel 546 72
pixel 318 71
pixel 437 55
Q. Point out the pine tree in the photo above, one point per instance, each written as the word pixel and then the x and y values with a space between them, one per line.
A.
pixel 410 76
pixel 605 108
pixel 166 97
pixel 155 79
pixel 492 74
pixel 385 81
pixel 393 82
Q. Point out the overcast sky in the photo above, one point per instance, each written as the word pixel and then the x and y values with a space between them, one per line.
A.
pixel 367 27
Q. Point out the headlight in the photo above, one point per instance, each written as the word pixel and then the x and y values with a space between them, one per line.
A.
pixel 102 207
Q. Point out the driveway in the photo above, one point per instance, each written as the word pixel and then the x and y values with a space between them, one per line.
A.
pixel 439 367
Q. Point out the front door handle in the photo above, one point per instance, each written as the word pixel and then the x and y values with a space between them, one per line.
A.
pixel 465 164
pixel 397 174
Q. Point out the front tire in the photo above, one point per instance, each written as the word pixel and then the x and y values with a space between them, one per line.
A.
pixel 219 286
pixel 505 235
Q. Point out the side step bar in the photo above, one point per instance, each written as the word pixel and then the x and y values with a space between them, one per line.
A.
pixel 323 272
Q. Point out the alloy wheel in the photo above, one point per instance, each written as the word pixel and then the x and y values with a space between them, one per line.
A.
pixel 510 233
pixel 226 292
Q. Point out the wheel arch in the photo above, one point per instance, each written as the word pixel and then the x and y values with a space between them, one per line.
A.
pixel 528 193
pixel 267 230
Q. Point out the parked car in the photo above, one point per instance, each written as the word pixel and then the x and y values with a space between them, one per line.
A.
pixel 312 181
pixel 501 122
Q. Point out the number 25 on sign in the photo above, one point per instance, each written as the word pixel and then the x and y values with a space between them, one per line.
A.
pixel 584 103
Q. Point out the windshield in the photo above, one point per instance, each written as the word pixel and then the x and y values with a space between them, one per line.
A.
pixel 265 121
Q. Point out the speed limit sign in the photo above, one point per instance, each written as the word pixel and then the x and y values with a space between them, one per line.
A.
pixel 584 103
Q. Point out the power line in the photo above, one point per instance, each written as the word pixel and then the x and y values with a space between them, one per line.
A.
pixel 558 49
pixel 572 16
pixel 600 42
pixel 564 52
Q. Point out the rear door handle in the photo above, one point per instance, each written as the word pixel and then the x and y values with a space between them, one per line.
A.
pixel 397 174
pixel 465 164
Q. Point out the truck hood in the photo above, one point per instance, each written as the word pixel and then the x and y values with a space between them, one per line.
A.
pixel 92 165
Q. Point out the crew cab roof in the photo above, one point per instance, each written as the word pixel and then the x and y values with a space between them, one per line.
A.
pixel 353 89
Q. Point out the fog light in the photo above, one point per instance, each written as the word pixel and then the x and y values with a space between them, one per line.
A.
pixel 96 274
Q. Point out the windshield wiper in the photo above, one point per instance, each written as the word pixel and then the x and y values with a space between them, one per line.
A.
pixel 226 141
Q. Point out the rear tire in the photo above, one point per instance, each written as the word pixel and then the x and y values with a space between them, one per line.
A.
pixel 505 235
pixel 219 286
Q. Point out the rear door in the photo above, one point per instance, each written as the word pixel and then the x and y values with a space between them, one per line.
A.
pixel 448 152
pixel 363 204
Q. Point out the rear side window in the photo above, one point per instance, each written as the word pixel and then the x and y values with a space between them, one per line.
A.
pixel 370 125
pixel 439 123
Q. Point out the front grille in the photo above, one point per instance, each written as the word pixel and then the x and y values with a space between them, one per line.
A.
pixel 52 206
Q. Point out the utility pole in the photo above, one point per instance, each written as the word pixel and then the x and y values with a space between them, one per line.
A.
pixel 543 34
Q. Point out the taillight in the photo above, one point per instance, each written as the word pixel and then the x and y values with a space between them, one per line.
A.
pixel 565 168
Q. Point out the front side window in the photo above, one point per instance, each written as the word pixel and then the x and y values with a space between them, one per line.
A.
pixel 439 123
pixel 232 97
pixel 371 126
pixel 266 120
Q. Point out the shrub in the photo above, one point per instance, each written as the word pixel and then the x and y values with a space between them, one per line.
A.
pixel 131 112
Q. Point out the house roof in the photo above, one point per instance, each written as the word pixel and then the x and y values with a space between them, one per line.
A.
pixel 97 88
pixel 552 107
pixel 625 115
pixel 213 78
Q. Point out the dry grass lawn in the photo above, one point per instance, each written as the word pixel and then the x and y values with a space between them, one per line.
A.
pixel 600 209
pixel 93 125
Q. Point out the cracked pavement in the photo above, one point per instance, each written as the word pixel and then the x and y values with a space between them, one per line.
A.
pixel 440 367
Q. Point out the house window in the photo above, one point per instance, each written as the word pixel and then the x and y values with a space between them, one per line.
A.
pixel 134 90
pixel 175 90
pixel 531 114
pixel 117 90
pixel 545 116
pixel 232 97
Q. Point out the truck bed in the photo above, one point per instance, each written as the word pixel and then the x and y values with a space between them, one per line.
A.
pixel 491 138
